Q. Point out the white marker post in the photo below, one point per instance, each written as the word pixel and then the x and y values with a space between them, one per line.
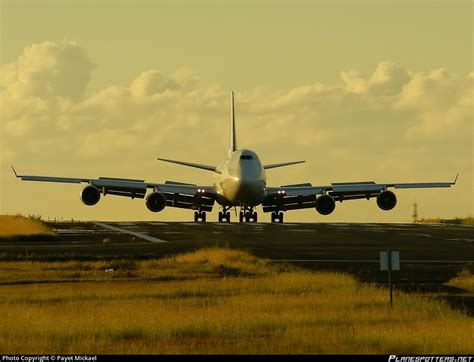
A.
pixel 390 260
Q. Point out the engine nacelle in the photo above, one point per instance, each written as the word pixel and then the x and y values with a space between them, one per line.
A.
pixel 155 201
pixel 325 204
pixel 90 195
pixel 386 200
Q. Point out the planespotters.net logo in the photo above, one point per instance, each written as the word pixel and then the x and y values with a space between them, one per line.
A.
pixel 395 358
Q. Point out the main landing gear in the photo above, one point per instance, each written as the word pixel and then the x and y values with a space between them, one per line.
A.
pixel 224 215
pixel 199 216
pixel 277 217
pixel 248 215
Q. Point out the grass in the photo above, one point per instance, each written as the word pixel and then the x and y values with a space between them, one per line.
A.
pixel 17 226
pixel 464 280
pixel 469 220
pixel 214 301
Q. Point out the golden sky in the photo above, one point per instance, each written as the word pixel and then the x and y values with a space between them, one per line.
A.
pixel 362 90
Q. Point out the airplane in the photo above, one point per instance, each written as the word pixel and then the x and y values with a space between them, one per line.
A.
pixel 239 182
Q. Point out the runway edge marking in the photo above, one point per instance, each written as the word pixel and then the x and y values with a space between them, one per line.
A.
pixel 125 231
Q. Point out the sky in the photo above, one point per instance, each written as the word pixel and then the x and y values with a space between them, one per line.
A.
pixel 362 90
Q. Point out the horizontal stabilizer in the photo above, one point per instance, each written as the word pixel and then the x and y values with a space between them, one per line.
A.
pixel 189 164
pixel 275 165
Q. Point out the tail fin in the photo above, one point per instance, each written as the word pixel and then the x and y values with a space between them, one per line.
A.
pixel 233 137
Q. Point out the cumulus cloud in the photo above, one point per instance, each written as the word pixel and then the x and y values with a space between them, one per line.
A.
pixel 355 83
pixel 386 80
pixel 392 122
pixel 152 82
pixel 48 69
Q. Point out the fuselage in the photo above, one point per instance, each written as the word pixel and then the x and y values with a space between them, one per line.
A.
pixel 240 180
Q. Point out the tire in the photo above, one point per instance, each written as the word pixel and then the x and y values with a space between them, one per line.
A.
pixel 280 217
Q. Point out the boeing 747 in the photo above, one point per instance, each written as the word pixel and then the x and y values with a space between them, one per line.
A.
pixel 239 182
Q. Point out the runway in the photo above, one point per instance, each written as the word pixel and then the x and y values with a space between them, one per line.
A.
pixel 429 253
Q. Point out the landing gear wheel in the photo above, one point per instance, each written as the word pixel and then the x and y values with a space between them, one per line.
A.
pixel 199 216
pixel 248 216
pixel 241 216
pixel 224 216
pixel 255 217
pixel 277 217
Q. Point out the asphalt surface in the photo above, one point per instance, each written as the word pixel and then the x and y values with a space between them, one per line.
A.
pixel 429 254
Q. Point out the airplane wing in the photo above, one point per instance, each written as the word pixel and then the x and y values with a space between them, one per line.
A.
pixel 177 194
pixel 301 196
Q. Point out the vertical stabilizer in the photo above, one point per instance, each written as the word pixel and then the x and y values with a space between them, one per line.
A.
pixel 233 137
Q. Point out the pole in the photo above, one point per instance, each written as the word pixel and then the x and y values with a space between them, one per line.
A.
pixel 389 254
pixel 415 213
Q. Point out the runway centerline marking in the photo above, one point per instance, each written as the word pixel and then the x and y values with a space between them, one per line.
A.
pixel 133 233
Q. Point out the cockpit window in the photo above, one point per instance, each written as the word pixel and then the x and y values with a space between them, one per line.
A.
pixel 246 157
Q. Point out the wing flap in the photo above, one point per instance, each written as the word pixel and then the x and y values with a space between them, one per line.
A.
pixel 297 191
pixel 282 203
pixel 183 189
pixel 189 201
pixel 118 184
pixel 350 188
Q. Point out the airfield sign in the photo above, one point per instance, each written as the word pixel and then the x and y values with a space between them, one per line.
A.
pixel 389 260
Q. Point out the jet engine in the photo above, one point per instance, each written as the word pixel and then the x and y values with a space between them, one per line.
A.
pixel 325 204
pixel 386 200
pixel 155 201
pixel 90 195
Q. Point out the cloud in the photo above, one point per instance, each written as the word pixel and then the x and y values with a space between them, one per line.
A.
pixel 152 82
pixel 387 79
pixel 391 123
pixel 48 69
pixel 355 83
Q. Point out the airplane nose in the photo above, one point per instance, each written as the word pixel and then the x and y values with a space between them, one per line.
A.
pixel 251 192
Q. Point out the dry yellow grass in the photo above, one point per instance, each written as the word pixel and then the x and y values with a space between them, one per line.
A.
pixel 214 301
pixel 17 225
pixel 464 280
pixel 469 220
